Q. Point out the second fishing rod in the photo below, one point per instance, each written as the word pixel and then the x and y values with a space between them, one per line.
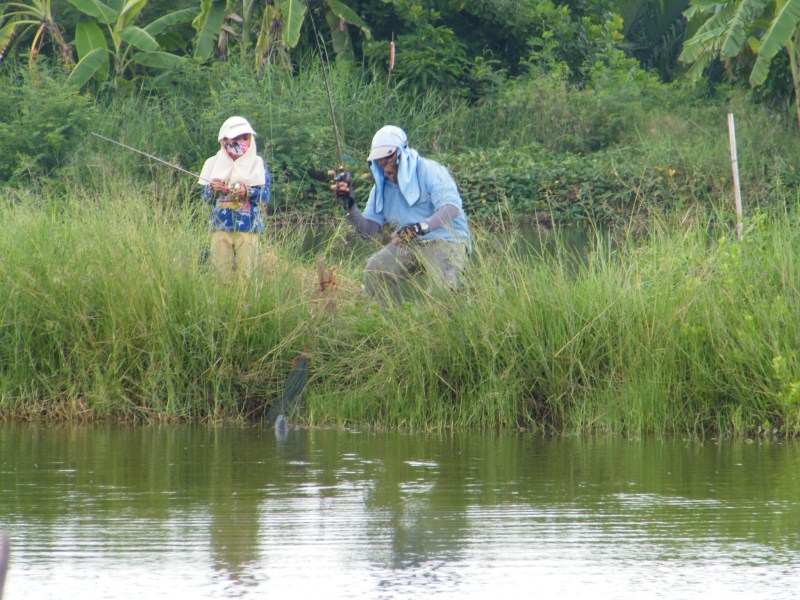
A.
pixel 340 174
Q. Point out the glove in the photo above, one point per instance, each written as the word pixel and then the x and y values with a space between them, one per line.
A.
pixel 416 229
pixel 409 232
pixel 343 187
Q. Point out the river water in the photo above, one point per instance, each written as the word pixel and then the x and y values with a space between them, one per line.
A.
pixel 201 513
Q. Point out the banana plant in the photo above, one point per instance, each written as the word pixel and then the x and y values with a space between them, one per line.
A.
pixel 123 45
pixel 654 31
pixel 33 16
pixel 730 28
pixel 281 24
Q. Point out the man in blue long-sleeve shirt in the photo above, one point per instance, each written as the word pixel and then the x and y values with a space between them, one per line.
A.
pixel 419 199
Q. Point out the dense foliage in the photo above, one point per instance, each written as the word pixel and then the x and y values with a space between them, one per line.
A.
pixel 540 109
pixel 626 148
pixel 534 105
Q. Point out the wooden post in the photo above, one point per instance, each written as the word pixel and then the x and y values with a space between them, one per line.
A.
pixel 737 194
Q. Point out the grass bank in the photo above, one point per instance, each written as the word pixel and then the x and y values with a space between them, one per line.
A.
pixel 682 332
pixel 107 311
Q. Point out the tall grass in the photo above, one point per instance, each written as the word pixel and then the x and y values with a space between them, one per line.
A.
pixel 682 333
pixel 108 310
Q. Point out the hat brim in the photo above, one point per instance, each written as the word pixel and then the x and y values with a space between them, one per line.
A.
pixel 381 152
pixel 235 129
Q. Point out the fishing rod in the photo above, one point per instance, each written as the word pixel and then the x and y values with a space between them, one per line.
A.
pixel 150 156
pixel 327 82
pixel 291 399
pixel 341 175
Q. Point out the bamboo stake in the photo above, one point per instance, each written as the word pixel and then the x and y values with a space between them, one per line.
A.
pixel 737 194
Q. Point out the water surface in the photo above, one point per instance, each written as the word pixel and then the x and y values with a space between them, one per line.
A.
pixel 191 512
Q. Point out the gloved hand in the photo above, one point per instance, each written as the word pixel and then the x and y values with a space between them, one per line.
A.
pixel 343 187
pixel 409 232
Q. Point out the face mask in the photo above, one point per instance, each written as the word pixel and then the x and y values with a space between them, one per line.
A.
pixel 237 148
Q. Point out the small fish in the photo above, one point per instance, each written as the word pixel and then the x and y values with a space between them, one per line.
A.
pixel 281 428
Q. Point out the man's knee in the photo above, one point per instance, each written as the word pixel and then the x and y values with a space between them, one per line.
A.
pixel 373 265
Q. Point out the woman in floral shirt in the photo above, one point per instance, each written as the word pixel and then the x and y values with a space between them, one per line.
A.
pixel 236 183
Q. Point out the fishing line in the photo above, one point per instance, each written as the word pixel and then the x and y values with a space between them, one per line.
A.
pixel 150 156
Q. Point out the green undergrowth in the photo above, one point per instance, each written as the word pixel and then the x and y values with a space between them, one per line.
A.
pixel 681 332
pixel 108 311
pixel 538 148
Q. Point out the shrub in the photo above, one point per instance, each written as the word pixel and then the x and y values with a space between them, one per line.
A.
pixel 40 120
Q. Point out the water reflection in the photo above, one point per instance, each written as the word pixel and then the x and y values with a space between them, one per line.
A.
pixel 218 513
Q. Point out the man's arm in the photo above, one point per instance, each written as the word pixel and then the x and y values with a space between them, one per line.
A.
pixel 343 188
pixel 442 217
pixel 362 225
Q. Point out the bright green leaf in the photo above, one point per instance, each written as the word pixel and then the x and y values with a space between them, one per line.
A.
pixel 96 9
pixel 88 67
pixel 169 20
pixel 293 12
pixel 781 30
pixel 159 60
pixel 130 12
pixel 739 26
pixel 139 39
pixel 117 5
pixel 760 70
pixel 88 37
pixel 210 24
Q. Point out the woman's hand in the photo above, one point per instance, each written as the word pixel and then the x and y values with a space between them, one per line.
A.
pixel 219 186
pixel 238 192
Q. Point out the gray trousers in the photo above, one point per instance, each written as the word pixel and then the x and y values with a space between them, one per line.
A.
pixel 443 262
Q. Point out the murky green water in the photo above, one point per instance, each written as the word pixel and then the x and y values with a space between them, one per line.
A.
pixel 112 512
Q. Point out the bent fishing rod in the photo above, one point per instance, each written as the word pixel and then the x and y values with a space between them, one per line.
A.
pixel 325 79
pixel 341 174
pixel 150 156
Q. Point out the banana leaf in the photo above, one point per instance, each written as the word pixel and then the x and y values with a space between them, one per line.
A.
pixel 210 22
pixel 293 12
pixel 89 66
pixel 159 60
pixel 139 39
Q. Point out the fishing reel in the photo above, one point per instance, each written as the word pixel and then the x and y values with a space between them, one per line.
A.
pixel 345 197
